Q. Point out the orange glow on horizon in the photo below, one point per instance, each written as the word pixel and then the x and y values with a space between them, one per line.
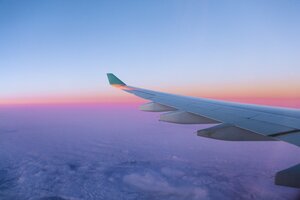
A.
pixel 283 102
pixel 70 100
pixel 274 95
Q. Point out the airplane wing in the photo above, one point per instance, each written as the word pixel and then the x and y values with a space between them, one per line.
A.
pixel 231 121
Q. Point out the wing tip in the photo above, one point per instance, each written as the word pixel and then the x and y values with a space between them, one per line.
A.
pixel 113 80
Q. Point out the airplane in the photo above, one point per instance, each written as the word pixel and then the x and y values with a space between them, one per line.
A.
pixel 230 121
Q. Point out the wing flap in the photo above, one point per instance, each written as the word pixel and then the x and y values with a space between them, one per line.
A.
pixel 230 132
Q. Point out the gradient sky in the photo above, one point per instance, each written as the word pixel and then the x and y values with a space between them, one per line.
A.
pixel 60 51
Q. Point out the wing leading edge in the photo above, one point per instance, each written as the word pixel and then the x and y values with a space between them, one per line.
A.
pixel 232 121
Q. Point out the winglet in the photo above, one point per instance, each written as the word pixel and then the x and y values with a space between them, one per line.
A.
pixel 115 81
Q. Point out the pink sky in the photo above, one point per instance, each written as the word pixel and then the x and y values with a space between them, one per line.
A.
pixel 122 98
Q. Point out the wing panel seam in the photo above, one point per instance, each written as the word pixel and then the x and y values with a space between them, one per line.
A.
pixel 284 133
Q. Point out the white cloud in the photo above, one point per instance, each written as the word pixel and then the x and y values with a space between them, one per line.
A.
pixel 152 182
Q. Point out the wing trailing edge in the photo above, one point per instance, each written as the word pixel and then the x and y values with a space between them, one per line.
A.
pixel 230 132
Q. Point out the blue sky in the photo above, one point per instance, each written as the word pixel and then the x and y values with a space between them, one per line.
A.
pixel 66 47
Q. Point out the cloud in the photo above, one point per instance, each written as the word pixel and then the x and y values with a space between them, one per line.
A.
pixel 153 182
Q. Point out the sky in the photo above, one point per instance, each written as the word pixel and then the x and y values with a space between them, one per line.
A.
pixel 60 51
